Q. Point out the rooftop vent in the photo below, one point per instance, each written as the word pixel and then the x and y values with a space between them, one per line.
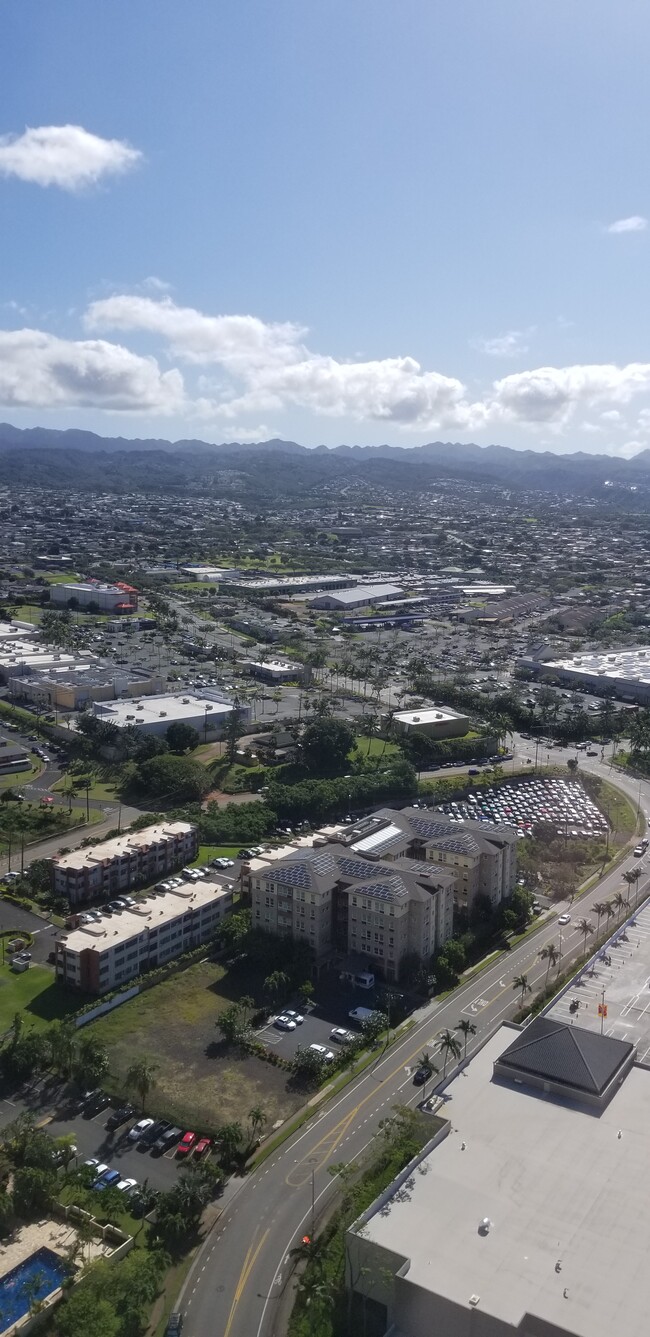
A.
pixel 485 1226
pixel 140 707
pixel 474 1300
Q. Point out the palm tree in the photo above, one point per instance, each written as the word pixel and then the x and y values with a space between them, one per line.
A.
pixel 451 1047
pixel 466 1029
pixel 521 982
pixel 551 955
pixel 631 877
pixel 257 1117
pixel 585 927
pixel 600 908
pixel 141 1077
pixel 619 902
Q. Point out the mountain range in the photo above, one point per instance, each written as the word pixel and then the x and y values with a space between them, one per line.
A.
pixel 71 458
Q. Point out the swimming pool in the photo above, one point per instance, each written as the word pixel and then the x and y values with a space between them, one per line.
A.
pixel 33 1279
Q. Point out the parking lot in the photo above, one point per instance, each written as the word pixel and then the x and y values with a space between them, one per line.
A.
pixel 14 917
pixel 562 803
pixel 330 1008
pixel 92 1138
pixel 619 976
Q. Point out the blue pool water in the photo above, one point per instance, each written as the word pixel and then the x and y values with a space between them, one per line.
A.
pixel 33 1279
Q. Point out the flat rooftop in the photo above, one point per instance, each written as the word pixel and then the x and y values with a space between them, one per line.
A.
pixel 120 845
pixel 626 982
pixel 367 593
pixel 154 708
pixel 428 715
pixel 558 1185
pixel 632 663
pixel 152 911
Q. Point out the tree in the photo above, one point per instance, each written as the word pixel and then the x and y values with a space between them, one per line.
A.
pixel 141 1077
pixel 618 903
pixel 84 1313
pixel 600 908
pixel 170 779
pixel 258 1118
pixel 234 729
pixel 448 1044
pixel 373 1026
pixel 229 1139
pixel 61 1039
pixel 233 1022
pixel 450 962
pixel 325 745
pixel 551 956
pixel 277 986
pixel 308 1065
pixel 572 764
pixel 521 982
pixel 181 738
pixel 631 876
pixel 306 993
pixel 466 1029
pixel 585 927
pixel 91 1061
pixel 33 1191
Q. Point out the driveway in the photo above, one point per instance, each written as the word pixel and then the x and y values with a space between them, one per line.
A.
pixel 12 916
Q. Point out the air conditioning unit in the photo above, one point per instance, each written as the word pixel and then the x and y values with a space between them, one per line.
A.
pixel 162 714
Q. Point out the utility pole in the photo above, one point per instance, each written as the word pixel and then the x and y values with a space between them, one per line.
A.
pixel 602 1010
pixel 313 1200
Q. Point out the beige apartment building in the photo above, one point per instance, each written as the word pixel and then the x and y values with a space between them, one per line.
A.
pixel 105 954
pixel 102 871
pixel 383 888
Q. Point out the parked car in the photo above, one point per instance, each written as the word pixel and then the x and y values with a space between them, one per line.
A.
pixel 283 1023
pixel 187 1143
pixel 166 1140
pixel 120 1116
pixel 322 1052
pixel 341 1036
pixel 135 1133
pixel 293 1016
pixel 152 1134
pixel 107 1180
pixel 126 1185
pixel 97 1101
pixel 202 1147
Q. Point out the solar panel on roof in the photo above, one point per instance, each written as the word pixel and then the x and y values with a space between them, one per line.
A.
pixel 359 868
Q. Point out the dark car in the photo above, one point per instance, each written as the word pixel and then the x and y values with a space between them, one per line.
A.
pixel 157 1130
pixel 120 1116
pixel 421 1075
pixel 100 1101
pixel 169 1139
pixel 174 1324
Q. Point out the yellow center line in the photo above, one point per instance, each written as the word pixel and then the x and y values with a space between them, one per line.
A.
pixel 249 1264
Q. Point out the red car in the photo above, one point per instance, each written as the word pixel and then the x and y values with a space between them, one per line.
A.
pixel 202 1147
pixel 186 1144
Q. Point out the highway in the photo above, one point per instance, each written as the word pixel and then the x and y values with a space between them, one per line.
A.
pixel 238 1277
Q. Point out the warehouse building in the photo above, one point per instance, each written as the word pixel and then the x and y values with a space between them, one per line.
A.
pixel 208 713
pixel 432 722
pixel 624 673
pixel 359 597
pixel 118 598
pixel 107 953
pixel 528 1212
pixel 75 688
pixel 99 872
pixel 270 585
pixel 20 659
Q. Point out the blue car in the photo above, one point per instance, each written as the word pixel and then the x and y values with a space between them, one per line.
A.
pixel 107 1179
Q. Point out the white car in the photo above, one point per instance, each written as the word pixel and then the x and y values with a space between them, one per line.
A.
pixel 293 1016
pixel 139 1128
pixel 322 1052
pixel 341 1036
pixel 284 1023
pixel 126 1185
pixel 98 1166
pixel 564 919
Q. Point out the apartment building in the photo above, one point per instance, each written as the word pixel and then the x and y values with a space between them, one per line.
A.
pixel 339 901
pixel 482 858
pixel 101 956
pixel 102 871
pixel 118 598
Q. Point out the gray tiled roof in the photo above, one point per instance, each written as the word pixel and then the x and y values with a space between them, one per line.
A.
pixel 568 1055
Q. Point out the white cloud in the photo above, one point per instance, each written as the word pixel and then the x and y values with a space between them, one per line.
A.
pixel 510 344
pixel 551 394
pixel 276 367
pixel 39 370
pixel 64 155
pixel 633 224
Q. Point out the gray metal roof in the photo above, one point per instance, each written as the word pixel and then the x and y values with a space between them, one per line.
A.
pixel 569 1055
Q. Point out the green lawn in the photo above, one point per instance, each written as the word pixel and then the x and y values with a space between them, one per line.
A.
pixel 208 852
pixel 36 994
pixel 378 747
pixel 100 789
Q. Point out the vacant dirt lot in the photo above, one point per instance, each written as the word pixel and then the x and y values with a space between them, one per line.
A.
pixel 199 1083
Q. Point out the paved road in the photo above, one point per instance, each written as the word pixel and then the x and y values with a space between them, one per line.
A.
pixel 238 1277
pixel 44 849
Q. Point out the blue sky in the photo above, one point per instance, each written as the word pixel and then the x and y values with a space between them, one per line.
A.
pixel 328 220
